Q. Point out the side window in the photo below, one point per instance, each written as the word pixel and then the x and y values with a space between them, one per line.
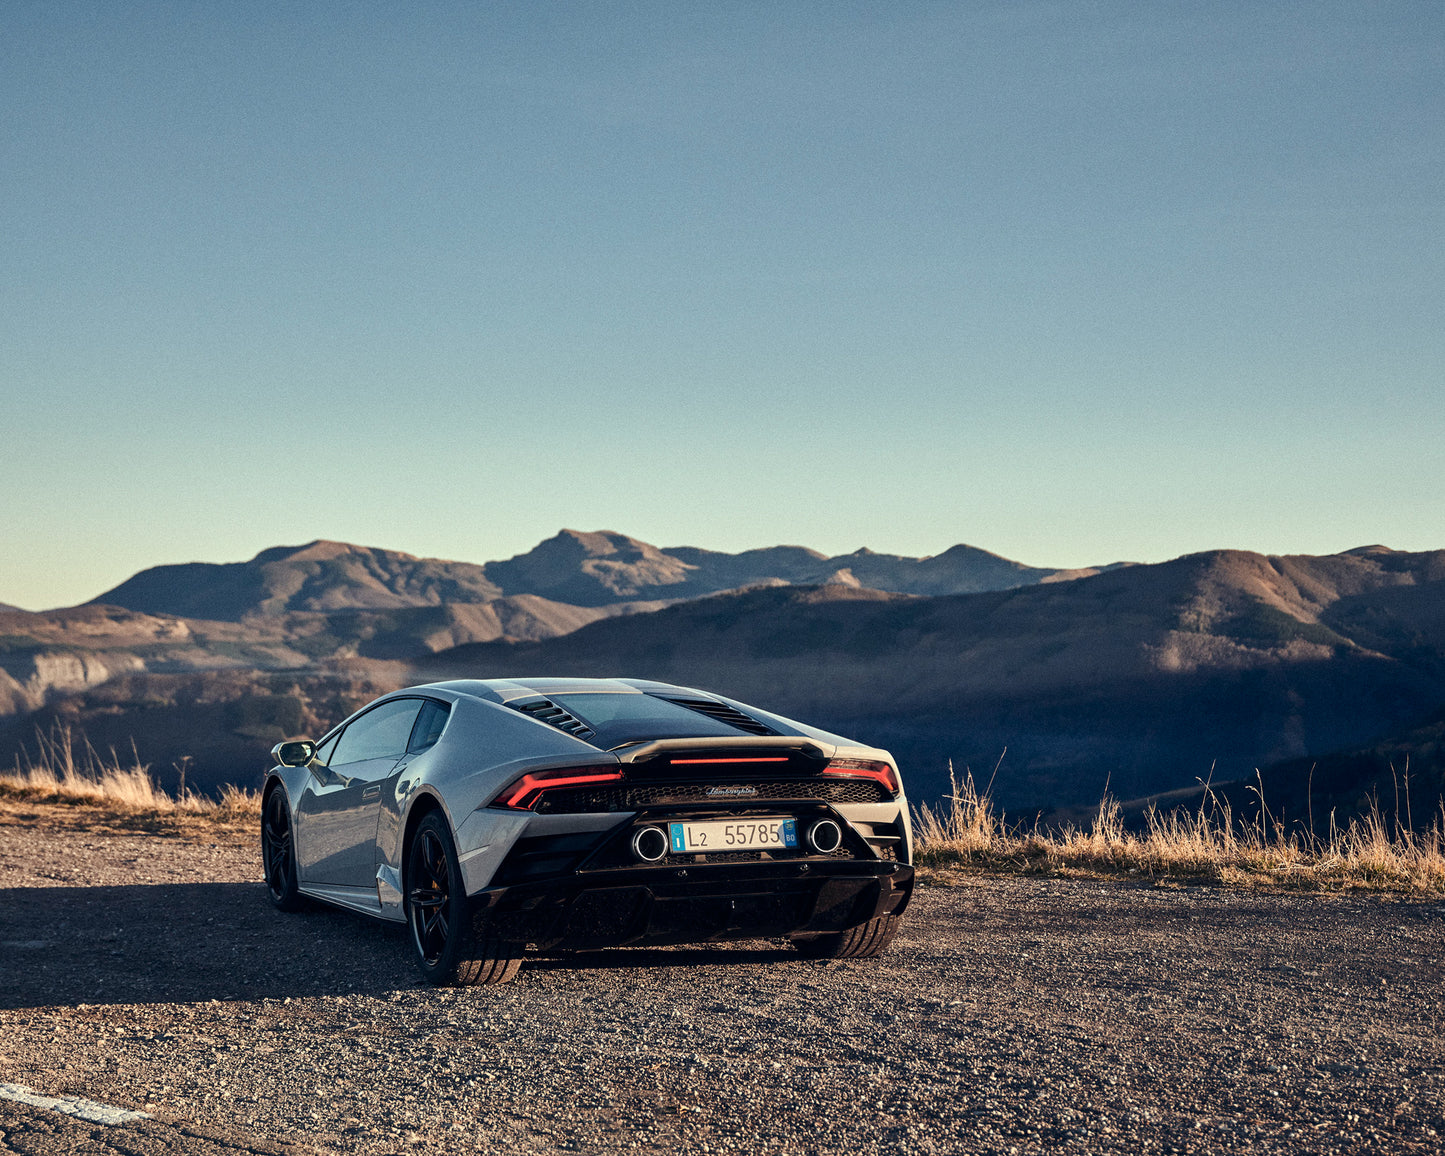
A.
pixel 323 752
pixel 378 734
pixel 429 725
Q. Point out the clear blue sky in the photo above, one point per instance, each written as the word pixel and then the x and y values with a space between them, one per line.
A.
pixel 1072 282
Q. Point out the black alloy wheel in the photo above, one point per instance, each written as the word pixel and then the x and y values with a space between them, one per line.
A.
pixel 278 856
pixel 448 949
pixel 430 896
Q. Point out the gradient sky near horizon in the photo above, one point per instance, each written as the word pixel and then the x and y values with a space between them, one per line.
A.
pixel 1073 282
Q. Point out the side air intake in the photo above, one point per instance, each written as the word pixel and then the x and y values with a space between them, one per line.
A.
pixel 547 711
pixel 730 715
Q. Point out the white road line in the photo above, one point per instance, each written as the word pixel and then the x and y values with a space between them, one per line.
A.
pixel 71 1106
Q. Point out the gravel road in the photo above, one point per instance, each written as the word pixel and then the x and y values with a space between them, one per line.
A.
pixel 1012 1016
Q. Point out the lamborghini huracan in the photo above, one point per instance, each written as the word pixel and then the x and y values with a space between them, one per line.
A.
pixel 501 817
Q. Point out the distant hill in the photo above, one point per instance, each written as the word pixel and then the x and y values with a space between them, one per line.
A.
pixel 1400 774
pixel 1399 777
pixel 579 569
pixel 35 662
pixel 958 570
pixel 591 569
pixel 6 608
pixel 219 724
pixel 74 649
pixel 1146 675
pixel 318 577
pixel 291 607
pixel 595 569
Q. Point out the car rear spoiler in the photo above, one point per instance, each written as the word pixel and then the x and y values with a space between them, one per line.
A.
pixel 644 751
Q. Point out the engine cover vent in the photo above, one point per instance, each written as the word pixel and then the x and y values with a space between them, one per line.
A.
pixel 729 715
pixel 547 711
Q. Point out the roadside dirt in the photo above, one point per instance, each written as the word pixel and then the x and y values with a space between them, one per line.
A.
pixel 1013 1015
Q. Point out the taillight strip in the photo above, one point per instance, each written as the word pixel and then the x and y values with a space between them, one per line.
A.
pixel 524 793
pixel 878 772
pixel 717 762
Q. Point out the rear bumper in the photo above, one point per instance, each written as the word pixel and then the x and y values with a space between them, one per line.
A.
pixel 696 904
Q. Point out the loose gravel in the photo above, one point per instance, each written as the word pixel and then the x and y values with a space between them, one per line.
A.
pixel 1012 1016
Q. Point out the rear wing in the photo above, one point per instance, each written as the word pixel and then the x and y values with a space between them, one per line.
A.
pixel 643 751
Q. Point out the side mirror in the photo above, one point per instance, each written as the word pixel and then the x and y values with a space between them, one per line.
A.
pixel 294 754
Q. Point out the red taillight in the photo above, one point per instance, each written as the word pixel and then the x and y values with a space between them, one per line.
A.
pixel 715 762
pixel 524 793
pixel 864 769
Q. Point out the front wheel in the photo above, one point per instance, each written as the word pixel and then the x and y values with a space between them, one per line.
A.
pixel 449 951
pixel 278 853
pixel 863 942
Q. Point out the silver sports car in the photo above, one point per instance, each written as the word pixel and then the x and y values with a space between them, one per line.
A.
pixel 560 813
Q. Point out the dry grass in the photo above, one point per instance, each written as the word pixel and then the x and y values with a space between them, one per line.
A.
pixel 1209 844
pixel 69 774
pixel 78 786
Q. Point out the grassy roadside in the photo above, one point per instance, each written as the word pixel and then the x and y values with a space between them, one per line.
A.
pixel 70 785
pixel 1209 845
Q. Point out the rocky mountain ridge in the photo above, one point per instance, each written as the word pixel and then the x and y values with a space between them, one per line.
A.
pixel 74 649
pixel 590 570
pixel 1143 676
pixel 291 608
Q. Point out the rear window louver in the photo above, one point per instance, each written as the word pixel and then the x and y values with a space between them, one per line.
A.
pixel 729 715
pixel 549 712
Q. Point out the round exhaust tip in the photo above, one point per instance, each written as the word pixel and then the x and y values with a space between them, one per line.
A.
pixel 825 836
pixel 649 844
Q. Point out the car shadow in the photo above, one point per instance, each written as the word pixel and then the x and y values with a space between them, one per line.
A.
pixel 193 942
pixel 186 942
pixel 692 956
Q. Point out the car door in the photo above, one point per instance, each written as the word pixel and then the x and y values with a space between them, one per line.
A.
pixel 337 813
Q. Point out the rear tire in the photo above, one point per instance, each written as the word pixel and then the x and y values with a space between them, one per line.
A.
pixel 449 950
pixel 863 942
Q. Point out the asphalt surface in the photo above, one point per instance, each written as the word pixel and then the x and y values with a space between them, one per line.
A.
pixel 1012 1015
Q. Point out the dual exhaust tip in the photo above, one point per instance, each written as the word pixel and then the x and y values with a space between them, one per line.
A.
pixel 825 836
pixel 649 844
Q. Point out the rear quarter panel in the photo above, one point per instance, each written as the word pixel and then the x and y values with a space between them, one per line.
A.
pixel 485 746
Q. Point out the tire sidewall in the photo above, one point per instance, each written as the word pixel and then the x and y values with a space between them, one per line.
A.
pixel 459 937
pixel 290 898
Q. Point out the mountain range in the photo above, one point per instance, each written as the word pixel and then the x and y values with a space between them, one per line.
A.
pixel 290 608
pixel 588 570
pixel 1144 676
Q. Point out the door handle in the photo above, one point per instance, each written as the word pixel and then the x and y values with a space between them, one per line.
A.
pixel 371 792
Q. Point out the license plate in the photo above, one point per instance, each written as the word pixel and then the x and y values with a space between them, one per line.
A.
pixel 735 835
